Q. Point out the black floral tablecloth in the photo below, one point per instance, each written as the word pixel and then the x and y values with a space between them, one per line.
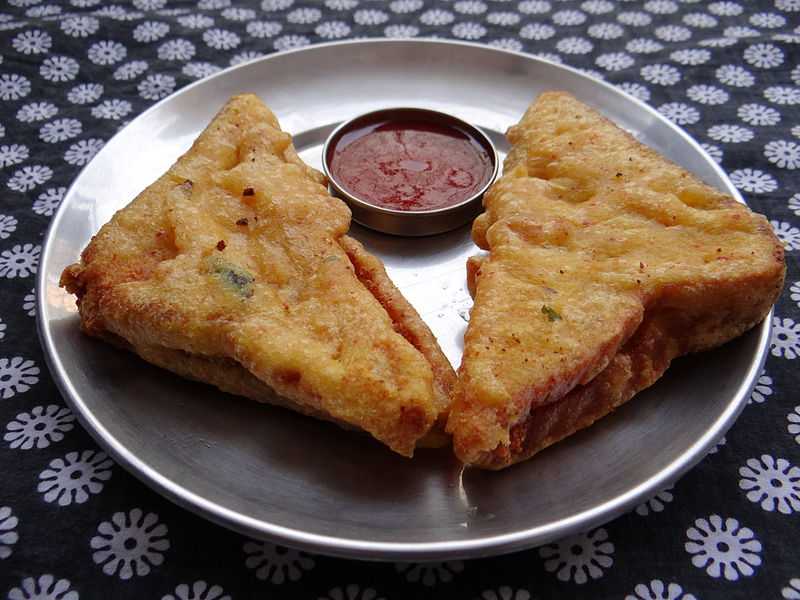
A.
pixel 75 525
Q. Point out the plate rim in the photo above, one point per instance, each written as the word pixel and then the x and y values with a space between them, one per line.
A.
pixel 379 550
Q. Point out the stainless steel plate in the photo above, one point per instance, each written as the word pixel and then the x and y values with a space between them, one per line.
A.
pixel 272 474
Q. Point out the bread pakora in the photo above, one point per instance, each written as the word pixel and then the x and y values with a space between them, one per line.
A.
pixel 606 261
pixel 233 268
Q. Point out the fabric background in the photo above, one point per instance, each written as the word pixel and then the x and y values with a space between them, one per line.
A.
pixel 73 524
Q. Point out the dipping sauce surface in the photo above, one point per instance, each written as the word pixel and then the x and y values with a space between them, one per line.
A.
pixel 409 165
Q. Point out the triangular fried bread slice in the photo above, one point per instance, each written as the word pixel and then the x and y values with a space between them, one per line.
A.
pixel 233 268
pixel 606 261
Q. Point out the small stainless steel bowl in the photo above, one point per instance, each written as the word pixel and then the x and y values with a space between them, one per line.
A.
pixel 408 222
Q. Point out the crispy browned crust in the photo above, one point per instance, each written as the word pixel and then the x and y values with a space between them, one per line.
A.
pixel 709 271
pixel 321 328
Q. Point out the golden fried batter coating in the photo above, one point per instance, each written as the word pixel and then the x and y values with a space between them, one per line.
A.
pixel 233 268
pixel 606 261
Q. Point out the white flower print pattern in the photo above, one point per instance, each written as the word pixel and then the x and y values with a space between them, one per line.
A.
pixel 29 303
pixel 330 30
pixel 196 21
pixel 605 31
pixel 507 44
pixel 263 29
pixel 673 33
pixel 580 557
pixel 177 49
pixel 130 544
pixel 714 152
pixel 17 375
pixel 723 548
pixel 469 31
pixel 8 225
pixel 785 340
pixel 680 113
pixel 658 590
pixel 614 61
pixel 199 70
pixel 107 52
pixel 13 86
pixel 429 574
pixel 23 180
pixel 735 76
pixel 48 201
pixel 634 18
pixel 761 390
pixel 794 423
pixel 767 20
pixel 74 477
pixel 401 31
pixel 787 233
pixel 352 592
pixel 700 20
pixel 661 74
pixel 657 503
pixel 155 87
pixel 112 109
pixel 725 9
pixel 783 154
pixel 221 39
pixel 304 15
pixel 707 94
pixel 43 426
pixel 370 17
pixel 534 7
pixel 772 483
pixel 36 111
pixel 763 56
pixel 758 114
pixel 691 56
pixel 537 31
pixel 13 155
pixel 80 26
pixel 85 93
pixel 276 564
pixel 574 45
pixel 637 90
pixel 753 181
pixel 792 591
pixel 239 14
pixel 130 70
pixel 244 57
pixel 199 590
pixel 287 42
pixel 45 587
pixel 8 534
pixel 730 134
pixel 470 7
pixel 643 46
pixel 150 31
pixel 505 593
pixel 21 261
pixel 437 16
pixel 60 130
pixel 32 42
pixel 569 18
pixel 776 94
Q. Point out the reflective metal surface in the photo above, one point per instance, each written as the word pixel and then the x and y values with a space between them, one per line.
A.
pixel 410 222
pixel 272 474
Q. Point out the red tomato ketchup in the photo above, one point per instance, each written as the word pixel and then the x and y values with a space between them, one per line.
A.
pixel 409 164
